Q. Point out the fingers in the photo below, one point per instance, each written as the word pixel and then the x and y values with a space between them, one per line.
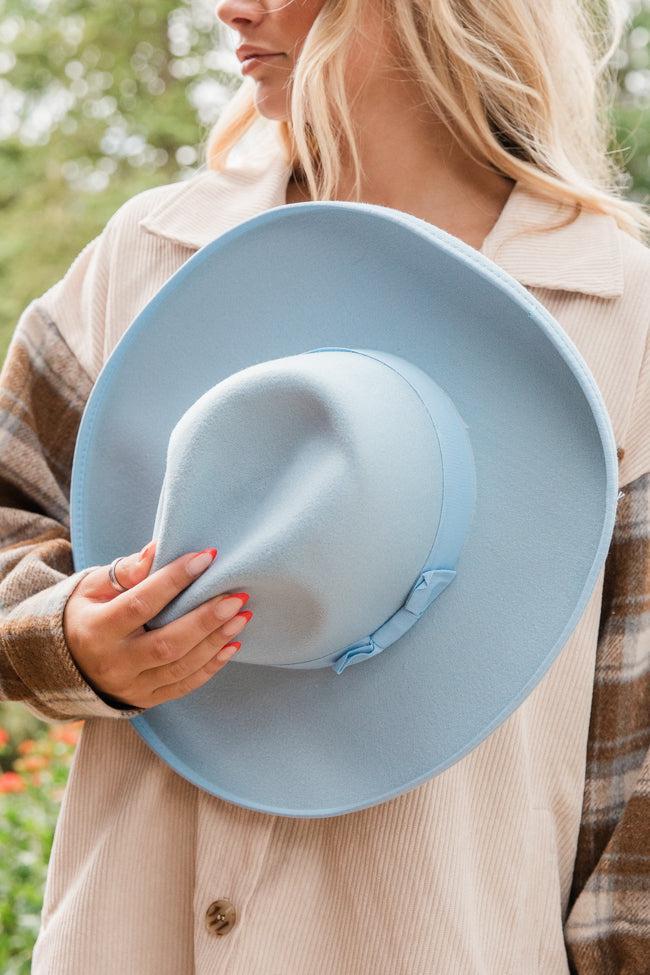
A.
pixel 208 656
pixel 129 571
pixel 129 611
pixel 120 658
pixel 217 662
pixel 166 644
pixel 186 670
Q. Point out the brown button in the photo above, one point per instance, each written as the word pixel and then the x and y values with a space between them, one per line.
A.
pixel 220 917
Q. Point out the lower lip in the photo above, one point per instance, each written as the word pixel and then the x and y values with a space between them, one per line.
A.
pixel 250 63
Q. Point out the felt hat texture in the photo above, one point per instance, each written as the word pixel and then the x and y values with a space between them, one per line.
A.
pixel 398 453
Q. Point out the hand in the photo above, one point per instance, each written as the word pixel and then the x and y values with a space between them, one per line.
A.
pixel 105 631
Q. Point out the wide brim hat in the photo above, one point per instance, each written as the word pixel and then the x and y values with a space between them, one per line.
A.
pixel 526 477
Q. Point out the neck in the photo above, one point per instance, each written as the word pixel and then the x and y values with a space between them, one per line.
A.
pixel 411 162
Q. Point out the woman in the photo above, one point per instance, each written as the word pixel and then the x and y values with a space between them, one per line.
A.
pixel 485 120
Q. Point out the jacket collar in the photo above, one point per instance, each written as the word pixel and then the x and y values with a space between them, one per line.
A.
pixel 583 257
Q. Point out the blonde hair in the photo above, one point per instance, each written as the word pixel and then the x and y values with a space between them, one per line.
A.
pixel 524 85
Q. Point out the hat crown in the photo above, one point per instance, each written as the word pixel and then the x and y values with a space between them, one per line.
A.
pixel 320 477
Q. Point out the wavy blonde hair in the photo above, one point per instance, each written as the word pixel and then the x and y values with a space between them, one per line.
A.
pixel 525 86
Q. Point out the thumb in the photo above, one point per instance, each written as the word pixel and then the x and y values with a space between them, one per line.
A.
pixel 129 570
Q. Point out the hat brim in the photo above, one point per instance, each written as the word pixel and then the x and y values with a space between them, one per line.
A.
pixel 295 277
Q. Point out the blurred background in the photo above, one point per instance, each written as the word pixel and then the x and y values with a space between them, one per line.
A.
pixel 99 100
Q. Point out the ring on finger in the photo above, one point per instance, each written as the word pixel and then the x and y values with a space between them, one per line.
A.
pixel 115 582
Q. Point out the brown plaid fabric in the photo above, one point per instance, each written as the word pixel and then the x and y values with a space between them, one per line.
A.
pixel 608 925
pixel 43 389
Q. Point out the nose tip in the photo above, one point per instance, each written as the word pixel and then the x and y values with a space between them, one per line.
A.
pixel 235 12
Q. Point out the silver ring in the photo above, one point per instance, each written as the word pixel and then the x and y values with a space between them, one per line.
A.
pixel 116 584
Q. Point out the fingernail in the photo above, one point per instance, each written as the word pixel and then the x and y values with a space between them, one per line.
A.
pixel 145 551
pixel 199 562
pixel 240 595
pixel 237 623
pixel 229 650
pixel 226 608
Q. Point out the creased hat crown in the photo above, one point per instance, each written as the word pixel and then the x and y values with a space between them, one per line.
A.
pixel 338 486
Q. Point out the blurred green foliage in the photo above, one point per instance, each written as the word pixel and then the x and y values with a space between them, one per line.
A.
pixel 632 116
pixel 26 834
pixel 98 100
pixel 33 774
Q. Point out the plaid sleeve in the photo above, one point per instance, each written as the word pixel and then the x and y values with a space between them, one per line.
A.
pixel 607 928
pixel 43 390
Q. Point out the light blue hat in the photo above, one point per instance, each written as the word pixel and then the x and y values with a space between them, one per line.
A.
pixel 398 453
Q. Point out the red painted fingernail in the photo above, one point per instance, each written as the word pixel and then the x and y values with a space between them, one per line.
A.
pixel 242 595
pixel 248 613
pixel 235 644
pixel 212 551
pixel 198 563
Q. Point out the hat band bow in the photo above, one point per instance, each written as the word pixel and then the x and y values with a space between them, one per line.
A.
pixel 429 585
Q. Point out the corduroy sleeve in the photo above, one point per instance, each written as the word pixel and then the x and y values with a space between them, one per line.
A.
pixel 43 390
pixel 607 929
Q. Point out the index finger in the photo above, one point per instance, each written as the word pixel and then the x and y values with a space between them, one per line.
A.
pixel 132 609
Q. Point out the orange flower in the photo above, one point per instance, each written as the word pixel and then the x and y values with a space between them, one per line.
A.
pixel 4 737
pixel 67 733
pixel 11 782
pixel 70 736
pixel 34 762
pixel 36 778
pixel 26 746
